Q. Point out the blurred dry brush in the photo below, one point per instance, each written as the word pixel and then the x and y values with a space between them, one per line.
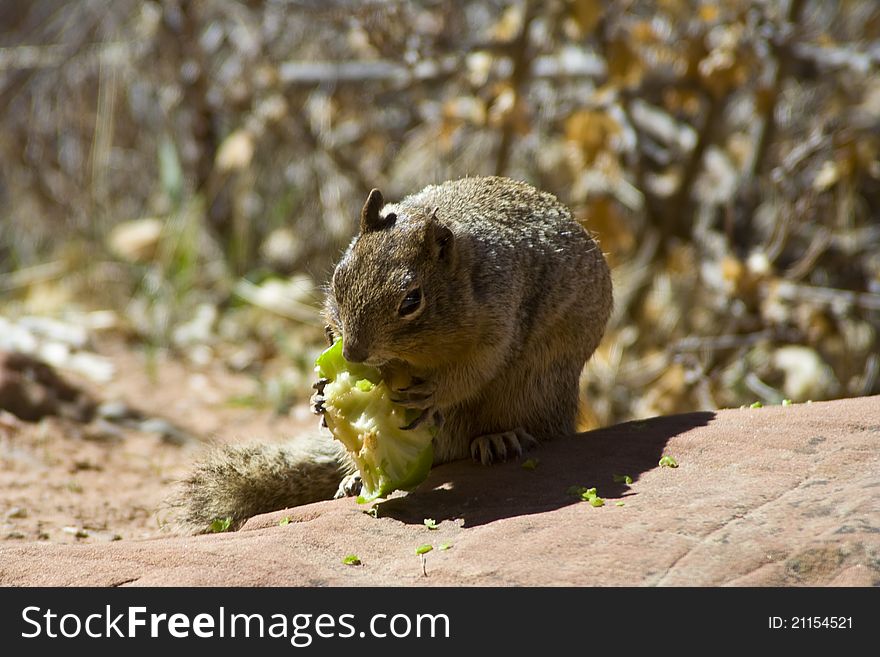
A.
pixel 198 166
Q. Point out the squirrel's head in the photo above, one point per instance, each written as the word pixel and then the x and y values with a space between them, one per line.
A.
pixel 396 284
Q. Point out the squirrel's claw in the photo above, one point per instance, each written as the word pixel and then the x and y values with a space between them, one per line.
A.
pixel 436 418
pixel 495 447
pixel 317 400
pixel 349 487
pixel 421 403
pixel 420 420
pixel 417 386
pixel 419 395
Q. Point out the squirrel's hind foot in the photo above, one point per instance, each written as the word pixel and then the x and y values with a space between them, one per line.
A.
pixel 350 486
pixel 496 447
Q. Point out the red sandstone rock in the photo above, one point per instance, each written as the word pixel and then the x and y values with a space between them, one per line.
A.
pixel 771 496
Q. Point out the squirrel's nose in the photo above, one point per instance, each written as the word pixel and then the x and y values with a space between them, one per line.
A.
pixel 354 353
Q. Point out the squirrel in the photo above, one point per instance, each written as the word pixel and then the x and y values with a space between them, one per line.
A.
pixel 484 295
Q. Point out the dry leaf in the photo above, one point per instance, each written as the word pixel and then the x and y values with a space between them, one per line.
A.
pixel 236 152
pixel 136 241
pixel 827 176
pixel 587 14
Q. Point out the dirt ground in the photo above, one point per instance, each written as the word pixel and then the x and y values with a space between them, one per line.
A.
pixel 64 481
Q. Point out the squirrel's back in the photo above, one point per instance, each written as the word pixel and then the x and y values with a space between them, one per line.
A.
pixel 507 217
pixel 527 257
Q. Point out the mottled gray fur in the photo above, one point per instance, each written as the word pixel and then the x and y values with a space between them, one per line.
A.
pixel 516 298
pixel 240 481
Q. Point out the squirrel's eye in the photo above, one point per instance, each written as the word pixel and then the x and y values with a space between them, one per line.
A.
pixel 411 302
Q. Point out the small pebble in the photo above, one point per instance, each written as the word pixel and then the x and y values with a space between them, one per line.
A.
pixel 79 532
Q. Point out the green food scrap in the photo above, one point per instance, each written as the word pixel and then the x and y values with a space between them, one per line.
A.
pixel 586 494
pixel 430 523
pixel 757 404
pixel 786 402
pixel 668 462
pixel 219 525
pixel 618 504
pixel 351 560
pixel 622 479
pixel 284 521
pixel 361 415
pixel 424 549
pixel 444 546
pixel 365 385
pixel 530 464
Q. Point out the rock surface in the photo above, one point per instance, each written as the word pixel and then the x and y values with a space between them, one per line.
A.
pixel 770 496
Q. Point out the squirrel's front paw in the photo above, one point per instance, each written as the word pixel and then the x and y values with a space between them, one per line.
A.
pixel 317 400
pixel 429 414
pixel 496 447
pixel 418 394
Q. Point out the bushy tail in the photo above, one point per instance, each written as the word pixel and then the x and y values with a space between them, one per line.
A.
pixel 240 481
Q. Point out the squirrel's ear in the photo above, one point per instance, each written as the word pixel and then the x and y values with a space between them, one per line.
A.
pixel 370 219
pixel 441 237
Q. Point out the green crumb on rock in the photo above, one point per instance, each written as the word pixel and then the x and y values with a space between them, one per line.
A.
pixel 351 560
pixel 424 549
pixel 530 464
pixel 622 479
pixel 444 546
pixel 786 402
pixel 219 525
pixel 586 494
pixel 757 404
pixel 430 523
pixel 618 504
pixel 668 462
pixel 284 521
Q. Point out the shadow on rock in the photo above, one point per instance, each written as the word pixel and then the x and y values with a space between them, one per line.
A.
pixel 478 494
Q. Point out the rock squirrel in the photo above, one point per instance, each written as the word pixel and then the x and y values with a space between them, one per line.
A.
pixel 484 294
